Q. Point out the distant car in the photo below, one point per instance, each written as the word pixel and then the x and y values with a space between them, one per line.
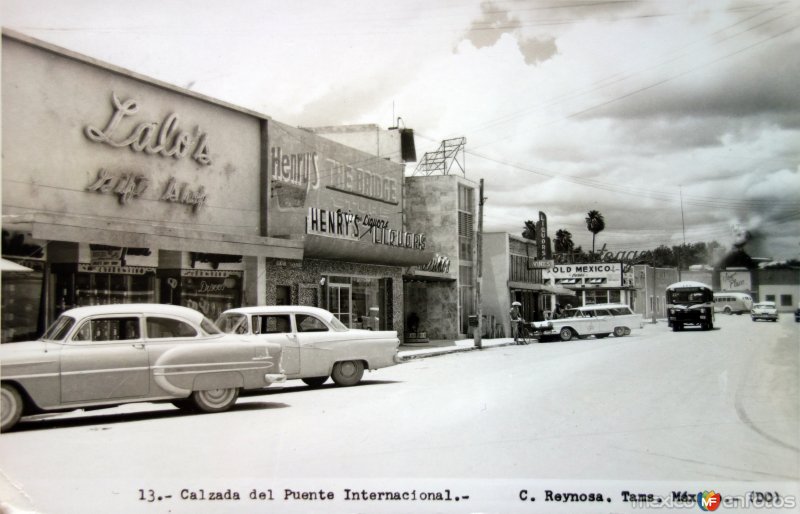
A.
pixel 100 356
pixel 316 345
pixel 600 320
pixel 797 313
pixel 764 310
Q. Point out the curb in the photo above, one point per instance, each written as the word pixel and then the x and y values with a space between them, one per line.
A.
pixel 447 350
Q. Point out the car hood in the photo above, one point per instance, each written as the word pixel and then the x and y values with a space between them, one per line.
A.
pixel 28 358
pixel 8 350
pixel 363 332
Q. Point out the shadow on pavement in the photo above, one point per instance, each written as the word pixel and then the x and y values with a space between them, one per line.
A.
pixel 300 387
pixel 44 422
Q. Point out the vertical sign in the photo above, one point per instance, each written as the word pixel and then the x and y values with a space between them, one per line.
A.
pixel 542 241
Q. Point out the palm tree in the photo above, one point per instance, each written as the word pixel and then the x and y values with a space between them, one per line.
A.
pixel 530 230
pixel 564 243
pixel 595 224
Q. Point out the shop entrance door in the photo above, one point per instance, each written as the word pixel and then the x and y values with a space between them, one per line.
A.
pixel 339 301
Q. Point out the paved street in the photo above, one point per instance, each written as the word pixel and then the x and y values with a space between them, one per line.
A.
pixel 657 405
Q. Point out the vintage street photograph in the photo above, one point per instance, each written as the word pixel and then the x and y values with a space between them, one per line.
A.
pixel 443 256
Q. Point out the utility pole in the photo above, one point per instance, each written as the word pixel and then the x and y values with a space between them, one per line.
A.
pixel 478 311
pixel 683 246
pixel 653 307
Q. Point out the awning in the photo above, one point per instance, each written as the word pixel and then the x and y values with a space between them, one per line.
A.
pixel 6 265
pixel 563 291
pixel 88 229
pixel 366 252
pixel 428 276
pixel 542 288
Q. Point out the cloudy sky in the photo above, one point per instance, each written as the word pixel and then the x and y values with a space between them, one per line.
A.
pixel 643 110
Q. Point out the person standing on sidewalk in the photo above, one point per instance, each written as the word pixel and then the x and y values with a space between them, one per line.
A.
pixel 516 319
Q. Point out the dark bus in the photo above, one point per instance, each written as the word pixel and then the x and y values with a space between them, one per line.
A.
pixel 690 303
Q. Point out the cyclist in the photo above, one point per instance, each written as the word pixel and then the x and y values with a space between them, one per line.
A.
pixel 516 321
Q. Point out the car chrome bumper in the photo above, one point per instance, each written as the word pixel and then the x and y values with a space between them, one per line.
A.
pixel 275 379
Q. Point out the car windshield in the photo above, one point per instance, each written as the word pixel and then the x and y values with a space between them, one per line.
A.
pixel 209 327
pixel 765 305
pixel 58 330
pixel 232 323
pixel 336 324
pixel 689 295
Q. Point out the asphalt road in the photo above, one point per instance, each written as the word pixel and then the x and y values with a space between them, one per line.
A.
pixel 655 406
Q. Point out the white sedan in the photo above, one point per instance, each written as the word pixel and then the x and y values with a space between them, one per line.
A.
pixel 764 310
pixel 316 345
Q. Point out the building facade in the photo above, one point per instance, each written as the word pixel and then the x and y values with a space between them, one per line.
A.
pixel 779 285
pixel 348 207
pixel 440 295
pixel 118 188
pixel 512 272
pixel 593 283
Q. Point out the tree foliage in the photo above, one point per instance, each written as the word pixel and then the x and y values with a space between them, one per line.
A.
pixel 563 242
pixel 530 230
pixel 595 223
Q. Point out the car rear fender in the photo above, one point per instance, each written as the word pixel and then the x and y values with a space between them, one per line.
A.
pixel 225 380
pixel 186 368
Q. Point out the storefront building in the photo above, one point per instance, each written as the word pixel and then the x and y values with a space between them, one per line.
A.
pixel 347 206
pixel 649 296
pixel 513 271
pixel 119 189
pixel 440 294
pixel 780 285
pixel 592 283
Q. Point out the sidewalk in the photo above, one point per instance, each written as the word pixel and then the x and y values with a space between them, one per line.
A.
pixel 442 347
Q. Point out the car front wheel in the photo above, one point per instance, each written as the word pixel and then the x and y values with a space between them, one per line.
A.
pixel 347 373
pixel 314 381
pixel 566 334
pixel 10 407
pixel 215 400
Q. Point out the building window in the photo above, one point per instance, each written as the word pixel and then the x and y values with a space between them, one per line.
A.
pixel 786 300
pixel 593 297
pixel 770 298
pixel 466 222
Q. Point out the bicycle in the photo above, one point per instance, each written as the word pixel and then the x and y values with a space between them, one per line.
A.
pixel 524 332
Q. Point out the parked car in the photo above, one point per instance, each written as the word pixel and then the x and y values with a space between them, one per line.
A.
pixel 764 310
pixel 316 345
pixel 100 356
pixel 600 320
pixel 797 313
